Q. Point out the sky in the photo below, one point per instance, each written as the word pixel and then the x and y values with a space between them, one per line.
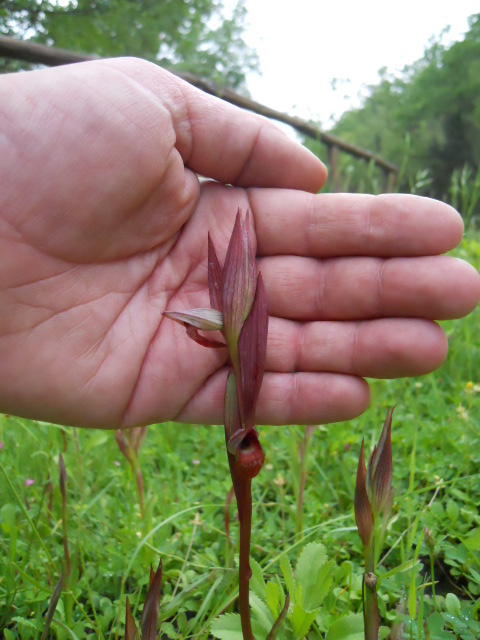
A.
pixel 305 45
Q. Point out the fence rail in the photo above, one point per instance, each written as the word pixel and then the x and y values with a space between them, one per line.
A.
pixel 51 56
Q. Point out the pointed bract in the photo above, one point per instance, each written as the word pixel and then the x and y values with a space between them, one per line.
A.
pixel 215 277
pixel 131 631
pixel 239 282
pixel 152 605
pixel 363 511
pixel 379 473
pixel 252 350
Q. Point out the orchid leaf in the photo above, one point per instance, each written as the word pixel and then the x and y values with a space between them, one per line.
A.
pixel 215 277
pixel 204 319
pixel 252 349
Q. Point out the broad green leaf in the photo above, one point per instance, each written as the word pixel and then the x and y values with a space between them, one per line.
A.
pixel 452 604
pixel 287 572
pixel 474 575
pixel 436 627
pixel 301 621
pixel 313 576
pixel 261 614
pixel 452 510
pixel 280 621
pixel 473 540
pixel 169 630
pixel 8 514
pixel 350 627
pixel 227 627
pixel 257 583
pixel 272 597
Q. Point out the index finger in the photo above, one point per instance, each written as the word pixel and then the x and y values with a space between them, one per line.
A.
pixel 220 141
pixel 329 225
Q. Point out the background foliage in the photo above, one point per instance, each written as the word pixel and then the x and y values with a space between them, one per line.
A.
pixel 192 35
pixel 436 480
pixel 426 120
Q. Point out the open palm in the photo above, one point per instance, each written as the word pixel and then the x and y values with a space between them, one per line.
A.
pixel 103 226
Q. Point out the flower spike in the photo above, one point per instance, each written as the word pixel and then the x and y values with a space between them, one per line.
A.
pixel 239 310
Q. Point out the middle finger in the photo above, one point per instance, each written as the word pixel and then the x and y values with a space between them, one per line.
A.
pixel 355 288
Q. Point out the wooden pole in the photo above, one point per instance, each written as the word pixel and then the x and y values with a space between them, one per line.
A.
pixel 51 56
pixel 334 169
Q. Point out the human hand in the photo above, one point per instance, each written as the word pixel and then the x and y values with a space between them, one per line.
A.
pixel 103 226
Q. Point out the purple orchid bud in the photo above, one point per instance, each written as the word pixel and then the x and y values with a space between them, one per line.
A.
pixel 379 472
pixel 363 510
pixel 239 283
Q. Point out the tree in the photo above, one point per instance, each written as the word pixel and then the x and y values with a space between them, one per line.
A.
pixel 431 113
pixel 192 35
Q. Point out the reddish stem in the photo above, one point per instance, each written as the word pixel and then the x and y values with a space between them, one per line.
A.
pixel 244 568
pixel 243 494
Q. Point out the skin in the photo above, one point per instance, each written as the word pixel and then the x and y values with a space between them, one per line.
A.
pixel 103 226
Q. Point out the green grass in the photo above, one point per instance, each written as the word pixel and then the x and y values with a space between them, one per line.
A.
pixel 437 486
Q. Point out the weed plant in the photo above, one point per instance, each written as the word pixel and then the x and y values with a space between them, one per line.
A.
pixel 429 573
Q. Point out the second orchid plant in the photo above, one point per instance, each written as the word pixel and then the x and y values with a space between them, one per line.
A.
pixel 239 310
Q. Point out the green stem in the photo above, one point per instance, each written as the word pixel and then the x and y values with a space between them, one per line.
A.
pixel 432 575
pixel 303 450
pixel 371 618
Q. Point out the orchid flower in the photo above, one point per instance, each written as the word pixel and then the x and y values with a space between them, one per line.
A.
pixel 239 311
